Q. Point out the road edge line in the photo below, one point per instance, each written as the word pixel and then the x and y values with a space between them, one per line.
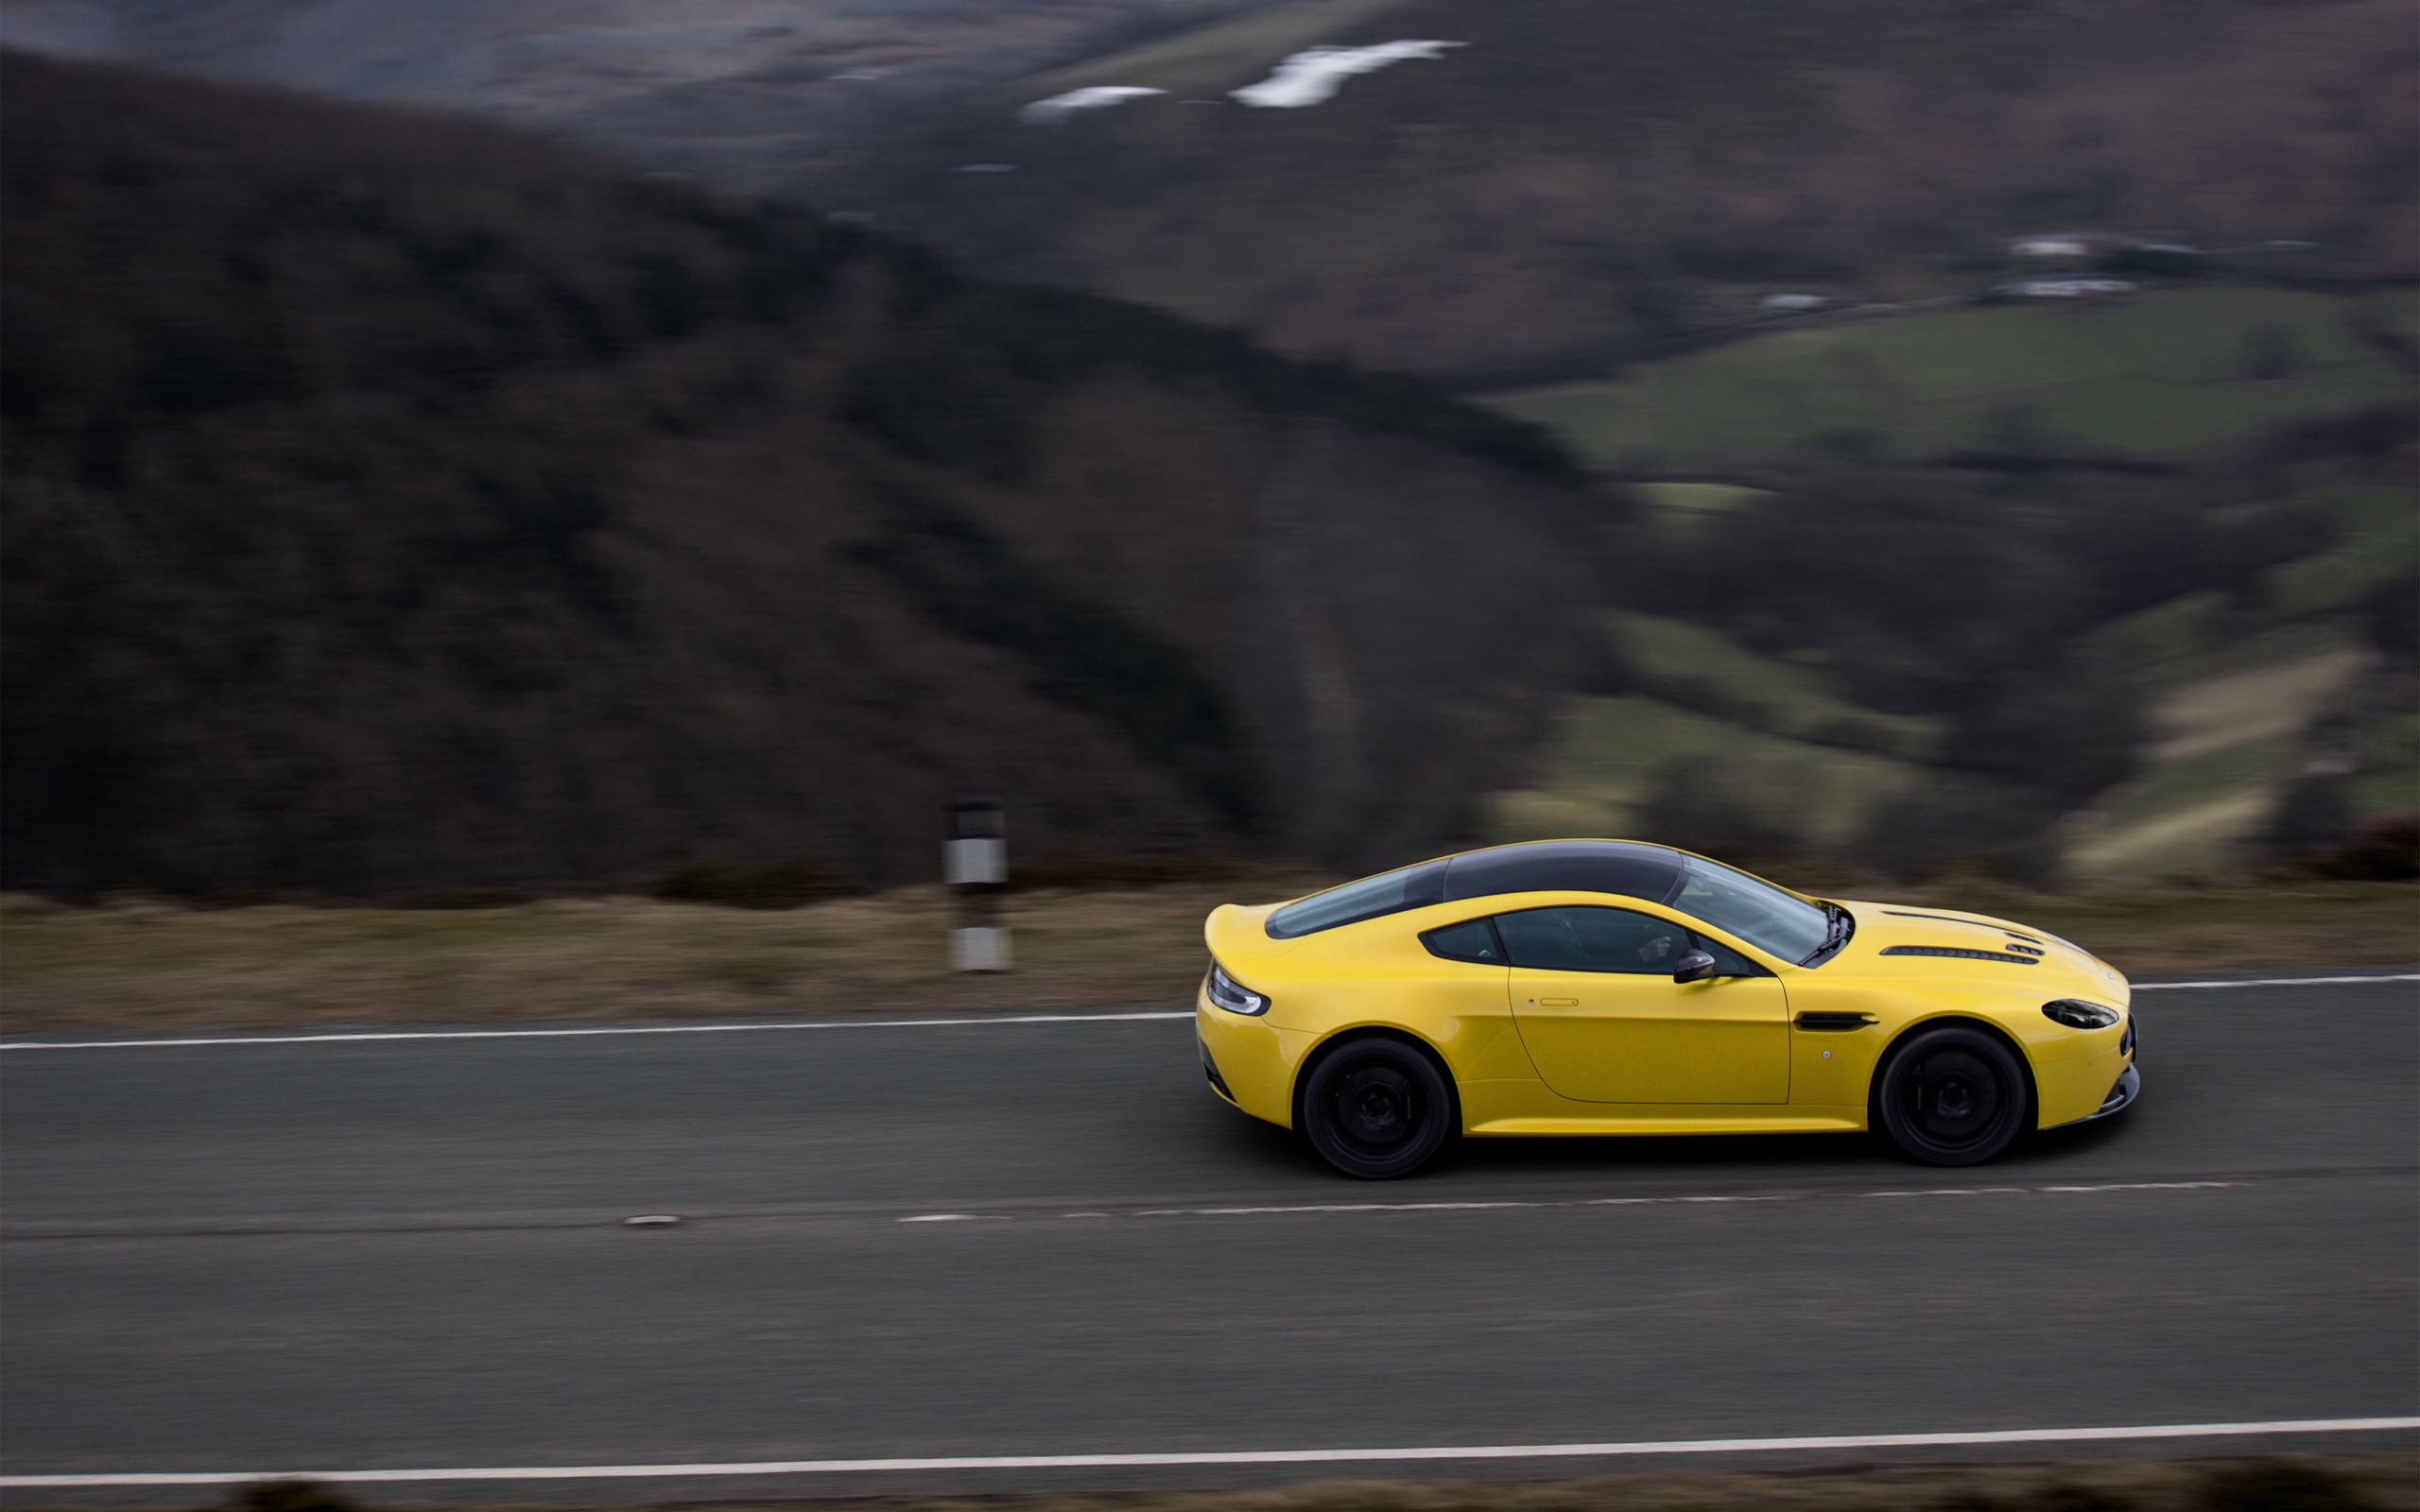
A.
pixel 2272 981
pixel 370 1036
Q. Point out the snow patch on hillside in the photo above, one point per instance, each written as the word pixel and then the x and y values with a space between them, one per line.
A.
pixel 1059 107
pixel 1310 77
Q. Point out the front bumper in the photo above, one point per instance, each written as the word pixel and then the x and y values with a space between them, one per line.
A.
pixel 2122 1098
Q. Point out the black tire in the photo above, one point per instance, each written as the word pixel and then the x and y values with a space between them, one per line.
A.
pixel 1952 1096
pixel 1376 1108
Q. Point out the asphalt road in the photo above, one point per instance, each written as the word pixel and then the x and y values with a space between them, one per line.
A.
pixel 412 1253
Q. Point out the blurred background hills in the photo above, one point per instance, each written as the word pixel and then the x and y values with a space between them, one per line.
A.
pixel 1901 432
pixel 1573 184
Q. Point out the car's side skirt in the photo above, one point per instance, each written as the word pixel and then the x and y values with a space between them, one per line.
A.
pixel 1690 1121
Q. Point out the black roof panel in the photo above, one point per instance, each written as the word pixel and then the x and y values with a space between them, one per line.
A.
pixel 1623 866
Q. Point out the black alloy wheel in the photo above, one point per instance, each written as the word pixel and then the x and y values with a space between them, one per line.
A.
pixel 1952 1096
pixel 1376 1108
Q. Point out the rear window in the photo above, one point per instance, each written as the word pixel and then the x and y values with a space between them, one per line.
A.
pixel 1472 941
pixel 1388 892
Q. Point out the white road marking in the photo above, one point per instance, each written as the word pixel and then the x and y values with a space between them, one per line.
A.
pixel 580 1034
pixel 1340 1207
pixel 940 1217
pixel 1271 1210
pixel 1269 1456
pixel 2273 981
pixel 2146 1186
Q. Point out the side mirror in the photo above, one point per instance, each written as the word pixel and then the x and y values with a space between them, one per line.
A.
pixel 1695 966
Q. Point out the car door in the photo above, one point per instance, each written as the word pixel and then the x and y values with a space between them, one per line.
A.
pixel 1604 1023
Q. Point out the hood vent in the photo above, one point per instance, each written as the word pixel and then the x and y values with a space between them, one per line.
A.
pixel 1970 923
pixel 1963 956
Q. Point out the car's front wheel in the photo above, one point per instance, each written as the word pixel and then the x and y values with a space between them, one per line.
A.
pixel 1952 1096
pixel 1376 1108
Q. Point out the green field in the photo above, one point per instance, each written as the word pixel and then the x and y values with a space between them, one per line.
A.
pixel 2154 374
pixel 2381 540
pixel 1778 698
pixel 1685 506
pixel 1764 737
pixel 2227 728
pixel 1608 755
pixel 2390 782
pixel 2184 627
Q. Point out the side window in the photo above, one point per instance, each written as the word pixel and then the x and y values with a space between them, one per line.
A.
pixel 1592 939
pixel 1472 941
pixel 1726 960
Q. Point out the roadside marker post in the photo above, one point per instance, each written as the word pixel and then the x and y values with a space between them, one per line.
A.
pixel 975 863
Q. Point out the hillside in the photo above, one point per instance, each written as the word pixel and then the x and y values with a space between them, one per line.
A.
pixel 2055 633
pixel 1576 185
pixel 1577 178
pixel 731 90
pixel 394 502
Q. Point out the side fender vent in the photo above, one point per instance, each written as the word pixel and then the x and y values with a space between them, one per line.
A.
pixel 1834 1023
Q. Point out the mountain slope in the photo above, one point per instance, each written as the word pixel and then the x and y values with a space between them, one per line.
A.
pixel 394 502
pixel 1578 180
pixel 1582 176
pixel 733 90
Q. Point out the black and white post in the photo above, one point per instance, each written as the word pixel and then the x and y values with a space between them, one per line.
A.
pixel 975 861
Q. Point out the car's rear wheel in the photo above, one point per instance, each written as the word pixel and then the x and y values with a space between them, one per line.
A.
pixel 1376 1108
pixel 1952 1096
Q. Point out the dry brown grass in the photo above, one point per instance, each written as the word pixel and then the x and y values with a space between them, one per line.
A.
pixel 147 964
pixel 2319 1483
pixel 2222 929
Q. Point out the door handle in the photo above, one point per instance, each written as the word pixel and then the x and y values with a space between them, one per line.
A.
pixel 1556 1003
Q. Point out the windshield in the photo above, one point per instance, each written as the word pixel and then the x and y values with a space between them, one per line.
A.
pixel 1388 892
pixel 1777 923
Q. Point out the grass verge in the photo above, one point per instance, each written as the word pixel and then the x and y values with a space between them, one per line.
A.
pixel 148 966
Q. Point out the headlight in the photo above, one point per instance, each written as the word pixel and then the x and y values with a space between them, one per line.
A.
pixel 1232 995
pixel 2077 1014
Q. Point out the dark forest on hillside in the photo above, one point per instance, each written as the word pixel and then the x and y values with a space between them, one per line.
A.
pixel 398 503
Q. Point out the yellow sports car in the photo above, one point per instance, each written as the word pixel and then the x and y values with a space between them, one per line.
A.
pixel 1607 987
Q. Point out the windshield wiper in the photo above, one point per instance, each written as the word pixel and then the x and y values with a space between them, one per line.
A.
pixel 1840 925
